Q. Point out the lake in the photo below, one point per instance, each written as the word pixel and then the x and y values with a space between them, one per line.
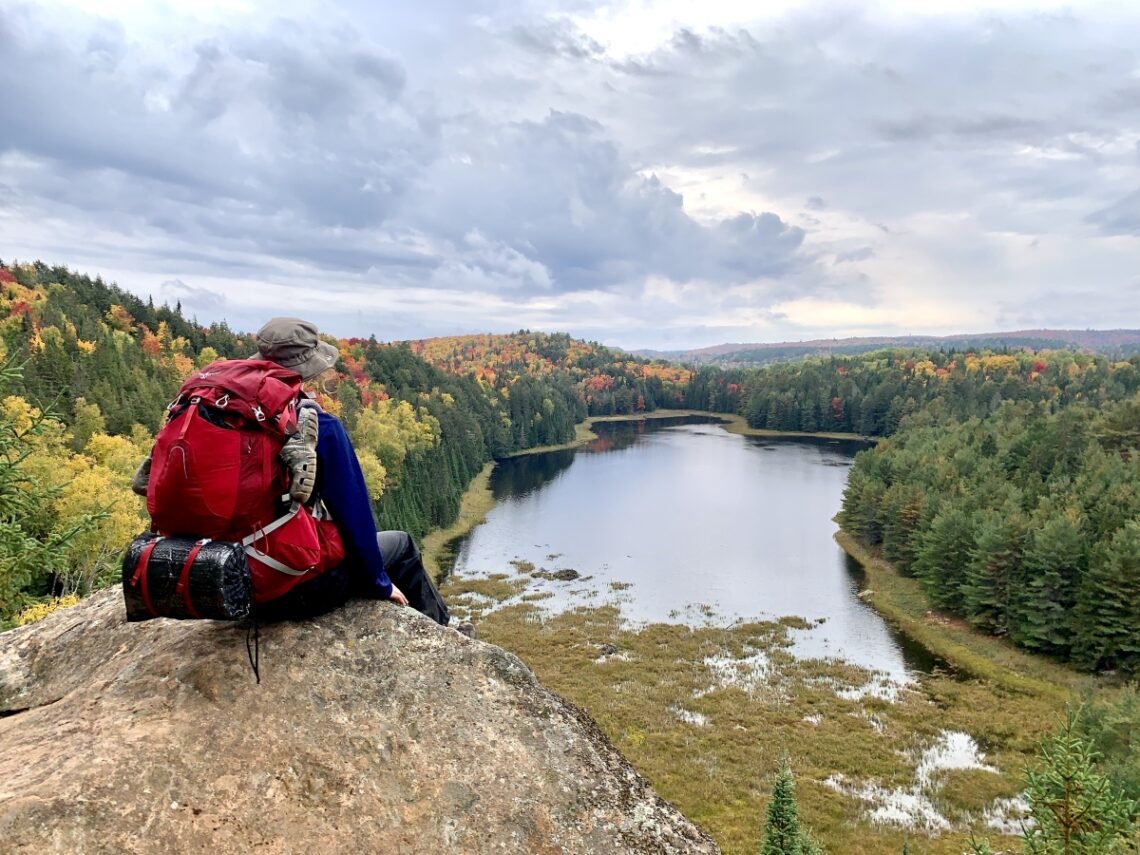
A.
pixel 678 520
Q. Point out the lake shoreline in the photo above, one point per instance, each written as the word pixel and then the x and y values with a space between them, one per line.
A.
pixel 895 597
pixel 477 501
pixel 706 710
pixel 474 505
pixel 901 602
pixel 733 423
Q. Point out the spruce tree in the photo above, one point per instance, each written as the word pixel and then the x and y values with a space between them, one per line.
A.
pixel 1075 809
pixel 782 825
pixel 1052 566
pixel 783 834
pixel 1107 616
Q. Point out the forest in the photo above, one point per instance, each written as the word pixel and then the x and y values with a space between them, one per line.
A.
pixel 89 370
pixel 1007 482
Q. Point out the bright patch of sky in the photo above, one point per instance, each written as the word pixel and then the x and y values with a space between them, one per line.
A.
pixel 649 174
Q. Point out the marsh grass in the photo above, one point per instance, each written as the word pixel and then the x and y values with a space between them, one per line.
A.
pixel 438 544
pixel 901 601
pixel 705 713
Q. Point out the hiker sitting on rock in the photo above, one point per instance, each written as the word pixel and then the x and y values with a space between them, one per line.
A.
pixel 205 481
pixel 385 564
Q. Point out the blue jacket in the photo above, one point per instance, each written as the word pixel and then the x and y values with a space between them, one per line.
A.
pixel 343 491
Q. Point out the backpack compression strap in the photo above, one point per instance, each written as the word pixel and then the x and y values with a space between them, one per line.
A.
pixel 268 560
pixel 140 577
pixel 183 586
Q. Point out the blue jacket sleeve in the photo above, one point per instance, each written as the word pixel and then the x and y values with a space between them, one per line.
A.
pixel 342 489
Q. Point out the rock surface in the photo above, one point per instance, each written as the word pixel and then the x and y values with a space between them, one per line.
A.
pixel 373 730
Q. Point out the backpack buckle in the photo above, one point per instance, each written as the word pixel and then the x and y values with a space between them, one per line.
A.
pixel 222 401
pixel 258 413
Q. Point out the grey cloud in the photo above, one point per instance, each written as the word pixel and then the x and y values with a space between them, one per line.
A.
pixel 1121 217
pixel 306 145
pixel 561 193
pixel 495 147
pixel 1074 308
pixel 556 37
pixel 926 127
pixel 262 128
pixel 192 299
pixel 906 115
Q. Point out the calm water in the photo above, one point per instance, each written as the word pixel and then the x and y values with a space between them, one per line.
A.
pixel 680 521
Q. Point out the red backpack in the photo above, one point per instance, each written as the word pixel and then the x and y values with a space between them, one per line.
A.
pixel 215 473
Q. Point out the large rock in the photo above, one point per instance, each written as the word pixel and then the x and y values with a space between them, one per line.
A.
pixel 373 730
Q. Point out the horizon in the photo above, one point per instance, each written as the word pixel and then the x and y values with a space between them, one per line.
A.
pixel 666 176
pixel 838 338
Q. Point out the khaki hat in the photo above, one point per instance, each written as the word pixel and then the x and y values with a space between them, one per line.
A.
pixel 293 343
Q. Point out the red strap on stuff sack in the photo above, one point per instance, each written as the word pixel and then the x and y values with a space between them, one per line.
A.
pixel 183 586
pixel 140 576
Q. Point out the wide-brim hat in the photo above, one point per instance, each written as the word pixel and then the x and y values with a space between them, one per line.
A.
pixel 293 343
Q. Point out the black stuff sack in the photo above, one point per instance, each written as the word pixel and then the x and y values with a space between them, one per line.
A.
pixel 180 577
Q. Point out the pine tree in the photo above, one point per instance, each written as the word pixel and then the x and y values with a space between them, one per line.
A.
pixel 1075 810
pixel 987 587
pixel 783 834
pixel 1107 616
pixel 1052 566
pixel 944 555
pixel 903 506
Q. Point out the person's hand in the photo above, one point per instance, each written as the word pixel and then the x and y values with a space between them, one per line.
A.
pixel 397 596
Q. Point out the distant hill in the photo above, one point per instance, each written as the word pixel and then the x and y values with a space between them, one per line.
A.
pixel 1111 343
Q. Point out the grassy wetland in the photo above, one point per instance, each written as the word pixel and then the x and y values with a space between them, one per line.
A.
pixel 705 707
pixel 706 712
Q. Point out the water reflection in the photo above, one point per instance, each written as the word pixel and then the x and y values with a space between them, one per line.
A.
pixel 673 519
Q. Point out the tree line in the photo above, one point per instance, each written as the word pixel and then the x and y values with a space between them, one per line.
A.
pixel 1025 522
pixel 90 368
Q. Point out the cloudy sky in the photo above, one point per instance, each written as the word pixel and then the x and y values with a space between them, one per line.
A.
pixel 647 174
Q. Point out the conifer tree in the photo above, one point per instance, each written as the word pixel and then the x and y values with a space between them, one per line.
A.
pixel 1107 616
pixel 1075 809
pixel 944 555
pixel 1052 565
pixel 783 834
pixel 987 587
pixel 782 825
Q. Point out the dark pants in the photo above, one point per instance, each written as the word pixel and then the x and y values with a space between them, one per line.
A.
pixel 405 568
pixel 330 590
